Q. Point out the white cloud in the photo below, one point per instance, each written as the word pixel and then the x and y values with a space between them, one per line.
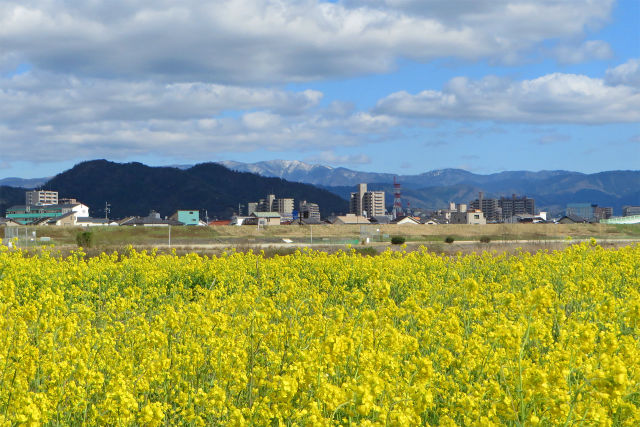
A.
pixel 625 74
pixel 553 98
pixel 277 40
pixel 44 98
pixel 591 49
pixel 46 116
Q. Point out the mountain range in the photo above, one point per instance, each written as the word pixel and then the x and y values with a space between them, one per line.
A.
pixel 552 190
pixel 134 188
pixel 23 183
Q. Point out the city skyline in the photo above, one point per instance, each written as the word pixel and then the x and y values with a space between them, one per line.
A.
pixel 381 85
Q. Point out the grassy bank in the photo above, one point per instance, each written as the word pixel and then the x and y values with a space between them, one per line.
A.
pixel 213 240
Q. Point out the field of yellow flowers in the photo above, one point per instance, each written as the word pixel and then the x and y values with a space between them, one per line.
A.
pixel 317 339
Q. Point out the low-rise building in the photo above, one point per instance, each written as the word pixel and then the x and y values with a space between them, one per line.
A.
pixel 630 210
pixel 187 217
pixel 95 222
pixel 263 218
pixel 472 216
pixel 30 214
pixel 406 220
pixel 572 219
pixel 349 218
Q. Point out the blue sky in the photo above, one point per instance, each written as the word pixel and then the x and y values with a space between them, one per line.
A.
pixel 399 86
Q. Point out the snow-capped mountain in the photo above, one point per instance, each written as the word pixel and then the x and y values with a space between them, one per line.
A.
pixel 293 170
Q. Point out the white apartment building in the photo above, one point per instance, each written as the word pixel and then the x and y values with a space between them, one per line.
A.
pixel 283 206
pixel 41 198
pixel 367 203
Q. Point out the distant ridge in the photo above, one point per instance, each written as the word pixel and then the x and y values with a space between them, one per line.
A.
pixel 24 183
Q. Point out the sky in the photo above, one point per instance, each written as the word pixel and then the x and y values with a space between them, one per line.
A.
pixel 397 86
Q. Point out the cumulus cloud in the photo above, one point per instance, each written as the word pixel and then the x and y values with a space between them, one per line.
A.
pixel 37 98
pixel 232 41
pixel 553 98
pixel 625 74
pixel 45 116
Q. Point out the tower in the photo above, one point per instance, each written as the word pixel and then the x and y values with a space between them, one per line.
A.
pixel 397 201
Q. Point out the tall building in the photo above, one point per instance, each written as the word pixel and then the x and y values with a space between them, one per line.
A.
pixel 252 207
pixel 489 207
pixel 309 210
pixel 282 206
pixel 516 206
pixel 367 203
pixel 602 212
pixel 266 205
pixel 41 198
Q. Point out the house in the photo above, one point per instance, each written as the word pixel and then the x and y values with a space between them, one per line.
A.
pixel 524 218
pixel 572 219
pixel 152 220
pixel 404 220
pixel 69 219
pixel 349 219
pixel 187 217
pixel 217 222
pixel 472 216
pixel 95 222
pixel 264 218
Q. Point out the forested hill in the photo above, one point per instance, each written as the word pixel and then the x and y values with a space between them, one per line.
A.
pixel 135 189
